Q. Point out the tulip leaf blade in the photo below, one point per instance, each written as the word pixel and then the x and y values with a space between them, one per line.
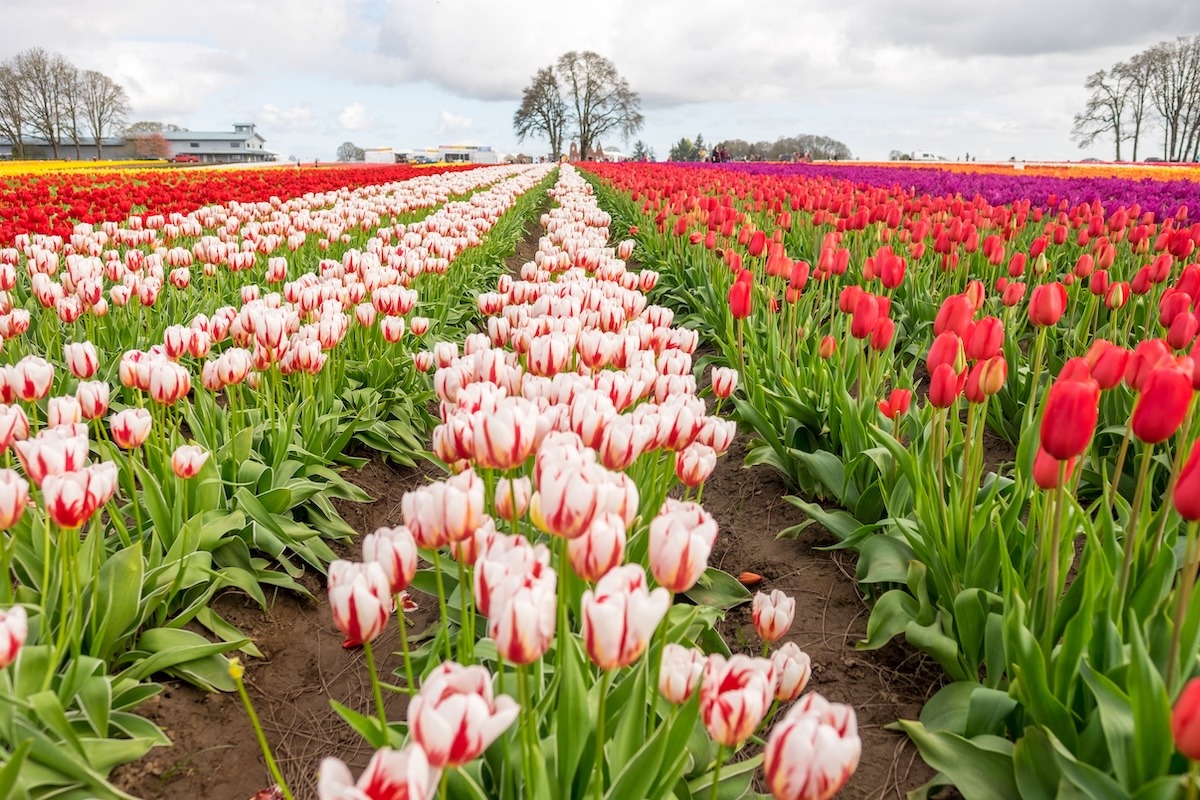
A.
pixel 573 715
pixel 978 771
pixel 718 589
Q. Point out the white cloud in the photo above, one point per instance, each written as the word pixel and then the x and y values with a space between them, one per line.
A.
pixel 295 118
pixel 451 124
pixel 354 117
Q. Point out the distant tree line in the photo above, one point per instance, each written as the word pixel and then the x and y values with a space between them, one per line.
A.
pixel 1155 91
pixel 44 95
pixel 785 148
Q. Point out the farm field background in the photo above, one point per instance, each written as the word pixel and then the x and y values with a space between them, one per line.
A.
pixel 954 407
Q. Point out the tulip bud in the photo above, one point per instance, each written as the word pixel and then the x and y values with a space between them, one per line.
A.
pixel 793 668
pixel 1069 417
pixel 1185 720
pixel 944 386
pixel 679 672
pixel 1163 402
pixel 772 615
pixel 813 751
pixel 14 627
pixel 1187 487
pixel 187 460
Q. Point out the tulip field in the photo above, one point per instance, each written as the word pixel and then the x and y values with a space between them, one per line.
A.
pixel 979 386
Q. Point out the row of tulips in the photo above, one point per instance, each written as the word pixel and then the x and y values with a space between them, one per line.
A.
pixel 34 202
pixel 1056 593
pixel 574 425
pixel 114 558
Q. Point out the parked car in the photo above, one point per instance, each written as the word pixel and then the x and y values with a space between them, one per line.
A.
pixel 186 158
pixel 923 155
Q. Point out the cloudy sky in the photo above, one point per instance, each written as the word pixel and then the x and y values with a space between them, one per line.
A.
pixel 991 79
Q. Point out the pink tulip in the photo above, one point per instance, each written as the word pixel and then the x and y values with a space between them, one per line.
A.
pixel 53 451
pixel 360 599
pixel 694 464
pixel 681 538
pixel 390 775
pixel 735 694
pixel 81 359
pixel 187 460
pixel 512 497
pixel 568 498
pixel 32 376
pixel 503 558
pixel 130 428
pixel 504 439
pixel 455 718
pixel 620 615
pixel 521 617
pixel 599 549
pixel 71 498
pixel 14 627
pixel 680 672
pixel 395 550
pixel 724 381
pixel 14 426
pixel 14 495
pixel 93 398
pixel 773 614
pixel 793 668
pixel 64 410
pixel 169 382
pixel 813 751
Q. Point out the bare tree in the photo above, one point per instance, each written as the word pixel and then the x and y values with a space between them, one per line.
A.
pixel 43 77
pixel 1105 110
pixel 543 111
pixel 599 100
pixel 1175 92
pixel 1137 72
pixel 71 87
pixel 105 105
pixel 12 108
pixel 349 151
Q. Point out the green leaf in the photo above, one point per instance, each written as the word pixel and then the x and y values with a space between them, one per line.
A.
pixel 977 770
pixel 884 559
pixel 12 769
pixel 366 726
pixel 572 715
pixel 719 589
pixel 118 599
pixel 890 615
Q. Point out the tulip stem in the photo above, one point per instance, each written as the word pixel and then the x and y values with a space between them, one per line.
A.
pixel 1176 468
pixel 235 671
pixel 441 590
pixel 1031 398
pixel 716 784
pixel 467 640
pixel 1054 558
pixel 1183 599
pixel 528 732
pixel 375 689
pixel 1115 483
pixel 1131 529
pixel 1193 787
pixel 408 670
pixel 605 683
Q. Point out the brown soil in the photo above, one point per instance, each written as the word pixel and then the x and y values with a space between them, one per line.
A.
pixel 215 753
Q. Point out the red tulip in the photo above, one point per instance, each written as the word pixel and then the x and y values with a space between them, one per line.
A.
pixel 1013 294
pixel 827 347
pixel 740 295
pixel 881 335
pixel 986 339
pixel 945 385
pixel 1045 470
pixel 1146 357
pixel 897 403
pixel 1069 417
pixel 758 244
pixel 947 348
pixel 1047 304
pixel 1185 720
pixel 1187 487
pixel 955 315
pixel 1163 402
pixel 1107 363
